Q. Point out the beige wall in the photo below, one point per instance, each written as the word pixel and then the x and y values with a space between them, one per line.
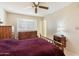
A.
pixel 12 20
pixel 68 19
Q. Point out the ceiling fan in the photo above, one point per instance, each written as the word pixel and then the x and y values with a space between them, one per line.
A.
pixel 37 5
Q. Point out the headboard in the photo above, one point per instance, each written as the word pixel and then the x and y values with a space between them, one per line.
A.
pixel 5 32
pixel 27 34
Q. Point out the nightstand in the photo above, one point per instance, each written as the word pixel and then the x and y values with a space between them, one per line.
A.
pixel 60 41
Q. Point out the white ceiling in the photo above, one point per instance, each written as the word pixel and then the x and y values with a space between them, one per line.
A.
pixel 27 9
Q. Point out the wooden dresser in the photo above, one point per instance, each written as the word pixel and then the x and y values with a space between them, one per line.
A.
pixel 5 32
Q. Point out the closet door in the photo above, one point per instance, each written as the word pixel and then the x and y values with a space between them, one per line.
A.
pixel 5 32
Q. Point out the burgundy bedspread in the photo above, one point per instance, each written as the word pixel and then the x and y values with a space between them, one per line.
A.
pixel 28 47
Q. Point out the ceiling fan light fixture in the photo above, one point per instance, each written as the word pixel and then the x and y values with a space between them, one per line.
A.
pixel 36 3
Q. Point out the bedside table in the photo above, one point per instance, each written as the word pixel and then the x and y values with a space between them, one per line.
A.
pixel 60 41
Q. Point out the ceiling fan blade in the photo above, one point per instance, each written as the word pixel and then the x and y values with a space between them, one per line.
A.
pixel 34 3
pixel 36 10
pixel 38 3
pixel 43 7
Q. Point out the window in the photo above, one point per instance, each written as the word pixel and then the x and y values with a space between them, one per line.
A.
pixel 26 25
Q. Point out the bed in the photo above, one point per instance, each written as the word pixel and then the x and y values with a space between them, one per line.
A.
pixel 29 46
